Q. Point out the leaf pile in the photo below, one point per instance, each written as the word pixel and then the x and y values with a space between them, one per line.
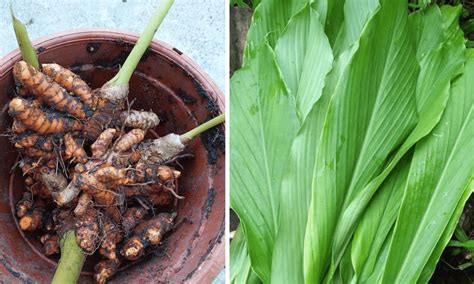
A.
pixel 352 133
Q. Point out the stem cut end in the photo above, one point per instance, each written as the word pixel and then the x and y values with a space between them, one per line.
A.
pixel 28 52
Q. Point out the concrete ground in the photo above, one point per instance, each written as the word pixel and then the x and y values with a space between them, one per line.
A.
pixel 195 27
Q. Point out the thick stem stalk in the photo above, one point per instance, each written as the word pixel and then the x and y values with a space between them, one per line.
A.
pixel 125 73
pixel 203 127
pixel 28 52
pixel 71 262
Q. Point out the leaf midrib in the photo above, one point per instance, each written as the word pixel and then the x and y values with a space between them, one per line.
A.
pixel 267 171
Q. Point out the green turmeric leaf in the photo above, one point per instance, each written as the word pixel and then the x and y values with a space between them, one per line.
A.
pixel 263 125
pixel 287 265
pixel 435 53
pixel 378 220
pixel 438 68
pixel 336 135
pixel 430 266
pixel 371 112
pixel 305 57
pixel 240 269
pixel 268 22
pixel 442 167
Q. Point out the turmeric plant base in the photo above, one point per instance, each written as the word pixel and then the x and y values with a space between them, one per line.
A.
pixel 173 87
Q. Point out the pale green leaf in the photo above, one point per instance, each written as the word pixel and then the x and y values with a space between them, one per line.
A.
pixel 442 167
pixel 240 268
pixel 380 262
pixel 432 92
pixel 263 126
pixel 371 113
pixel 287 265
pixel 377 221
pixel 346 270
pixel 430 266
pixel 239 259
pixel 305 57
pixel 268 22
pixel 436 53
pixel 356 123
pixel 332 17
pixel 427 30
pixel 356 15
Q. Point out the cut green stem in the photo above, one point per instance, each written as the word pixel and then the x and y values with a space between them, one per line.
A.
pixel 71 262
pixel 125 73
pixel 28 52
pixel 203 127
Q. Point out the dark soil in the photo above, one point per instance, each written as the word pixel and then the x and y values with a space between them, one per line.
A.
pixel 214 142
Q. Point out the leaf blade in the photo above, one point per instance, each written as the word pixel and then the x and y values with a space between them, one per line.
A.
pixel 373 68
pixel 438 67
pixel 303 32
pixel 263 125
pixel 378 220
pixel 268 22
pixel 240 267
pixel 305 58
pixel 446 145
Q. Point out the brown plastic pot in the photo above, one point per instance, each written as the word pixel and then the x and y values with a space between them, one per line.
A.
pixel 173 86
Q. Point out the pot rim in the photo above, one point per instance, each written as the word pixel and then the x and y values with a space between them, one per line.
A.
pixel 75 35
pixel 214 262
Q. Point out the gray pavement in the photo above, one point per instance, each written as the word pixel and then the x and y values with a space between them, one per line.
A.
pixel 195 27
